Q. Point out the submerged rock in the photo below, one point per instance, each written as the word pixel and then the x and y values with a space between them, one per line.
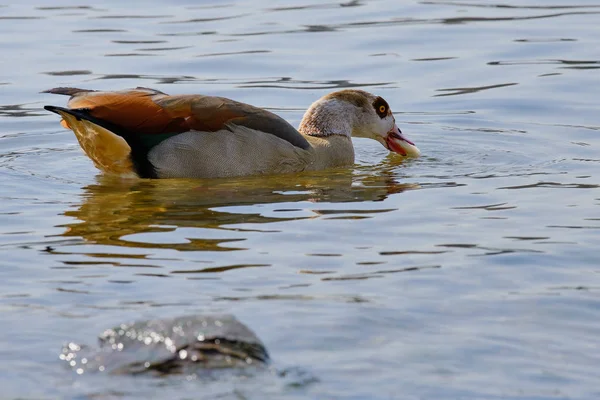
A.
pixel 165 346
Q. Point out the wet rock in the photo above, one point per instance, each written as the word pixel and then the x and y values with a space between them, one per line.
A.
pixel 166 346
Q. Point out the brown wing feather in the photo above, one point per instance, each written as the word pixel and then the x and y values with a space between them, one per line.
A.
pixel 132 110
pixel 148 111
pixel 203 113
pixel 210 113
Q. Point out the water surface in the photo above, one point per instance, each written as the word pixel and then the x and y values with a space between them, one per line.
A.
pixel 470 273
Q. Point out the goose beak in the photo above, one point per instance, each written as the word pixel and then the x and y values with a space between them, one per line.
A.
pixel 398 143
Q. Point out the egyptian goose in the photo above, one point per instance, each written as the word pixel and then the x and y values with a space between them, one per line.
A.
pixel 146 133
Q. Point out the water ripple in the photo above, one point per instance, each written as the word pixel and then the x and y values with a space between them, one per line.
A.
pixel 69 72
pixel 378 274
pixel 468 90
pixel 201 20
pixel 450 276
pixel 556 185
pixel 510 6
pixel 19 110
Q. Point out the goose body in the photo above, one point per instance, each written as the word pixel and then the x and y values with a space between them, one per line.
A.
pixel 146 133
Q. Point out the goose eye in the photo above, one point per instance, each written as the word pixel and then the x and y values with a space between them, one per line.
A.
pixel 381 107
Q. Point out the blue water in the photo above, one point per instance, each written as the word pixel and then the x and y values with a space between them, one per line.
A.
pixel 470 273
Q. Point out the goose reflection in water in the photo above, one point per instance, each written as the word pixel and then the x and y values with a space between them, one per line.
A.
pixel 115 209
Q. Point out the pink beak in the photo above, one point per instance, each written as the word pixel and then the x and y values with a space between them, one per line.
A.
pixel 398 143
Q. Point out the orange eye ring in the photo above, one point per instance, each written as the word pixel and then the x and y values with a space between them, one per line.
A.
pixel 382 109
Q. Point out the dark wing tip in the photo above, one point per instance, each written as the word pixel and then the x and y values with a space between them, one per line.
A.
pixel 67 91
pixel 54 109
pixel 79 113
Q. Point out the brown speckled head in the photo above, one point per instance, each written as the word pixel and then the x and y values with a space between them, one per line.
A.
pixel 352 112
pixel 359 98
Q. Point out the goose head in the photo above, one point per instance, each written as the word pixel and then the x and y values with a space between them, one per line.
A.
pixel 360 114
